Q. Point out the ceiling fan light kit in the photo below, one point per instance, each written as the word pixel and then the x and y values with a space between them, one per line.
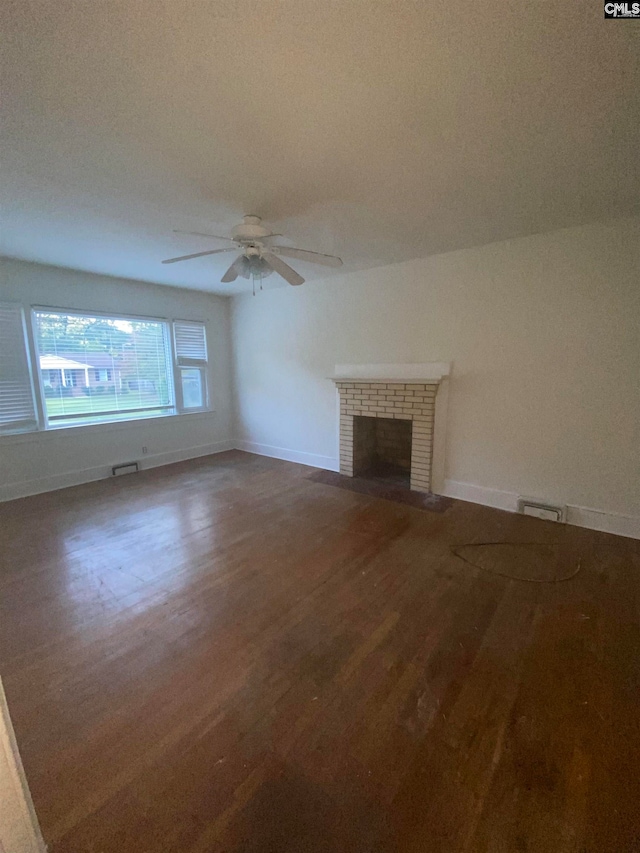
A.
pixel 258 258
pixel 254 266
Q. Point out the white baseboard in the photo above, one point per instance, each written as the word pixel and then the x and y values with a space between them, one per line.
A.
pixel 580 516
pixel 594 519
pixel 313 459
pixel 481 495
pixel 607 522
pixel 158 459
pixel 11 491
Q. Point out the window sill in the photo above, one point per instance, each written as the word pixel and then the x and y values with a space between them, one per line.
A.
pixel 113 426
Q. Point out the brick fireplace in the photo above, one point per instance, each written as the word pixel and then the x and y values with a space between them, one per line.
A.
pixel 413 402
pixel 393 418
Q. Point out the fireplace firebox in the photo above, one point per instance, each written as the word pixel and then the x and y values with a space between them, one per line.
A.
pixel 382 449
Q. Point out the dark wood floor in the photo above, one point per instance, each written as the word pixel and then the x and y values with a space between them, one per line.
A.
pixel 223 655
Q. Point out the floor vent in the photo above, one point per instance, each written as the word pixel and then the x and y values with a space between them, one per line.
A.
pixel 538 509
pixel 125 468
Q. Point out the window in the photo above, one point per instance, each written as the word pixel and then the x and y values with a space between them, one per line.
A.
pixel 17 407
pixel 191 363
pixel 96 369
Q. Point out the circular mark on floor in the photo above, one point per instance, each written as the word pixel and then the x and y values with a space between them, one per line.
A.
pixel 531 562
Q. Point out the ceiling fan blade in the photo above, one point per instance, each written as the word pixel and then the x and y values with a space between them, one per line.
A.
pixel 306 255
pixel 198 255
pixel 200 234
pixel 232 273
pixel 218 237
pixel 287 273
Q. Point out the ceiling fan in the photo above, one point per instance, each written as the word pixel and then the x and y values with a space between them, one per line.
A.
pixel 258 256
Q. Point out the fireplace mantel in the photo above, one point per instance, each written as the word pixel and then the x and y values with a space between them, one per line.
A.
pixel 430 371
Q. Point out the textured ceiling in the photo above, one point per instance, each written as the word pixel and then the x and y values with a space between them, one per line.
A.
pixel 380 131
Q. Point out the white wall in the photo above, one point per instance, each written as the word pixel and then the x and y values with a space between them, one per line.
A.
pixel 39 461
pixel 544 336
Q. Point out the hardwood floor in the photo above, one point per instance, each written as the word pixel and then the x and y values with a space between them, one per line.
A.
pixel 223 655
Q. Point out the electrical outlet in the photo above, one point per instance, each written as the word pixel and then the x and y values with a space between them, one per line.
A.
pixel 144 449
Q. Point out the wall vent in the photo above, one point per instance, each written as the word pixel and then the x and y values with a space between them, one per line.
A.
pixel 125 468
pixel 539 509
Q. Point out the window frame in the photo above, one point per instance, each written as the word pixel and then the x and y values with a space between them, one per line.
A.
pixel 181 363
pixel 45 425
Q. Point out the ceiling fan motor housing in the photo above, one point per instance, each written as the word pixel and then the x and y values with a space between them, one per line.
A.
pixel 250 230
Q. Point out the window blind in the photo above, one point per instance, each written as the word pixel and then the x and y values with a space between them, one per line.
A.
pixel 17 410
pixel 191 342
pixel 96 369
